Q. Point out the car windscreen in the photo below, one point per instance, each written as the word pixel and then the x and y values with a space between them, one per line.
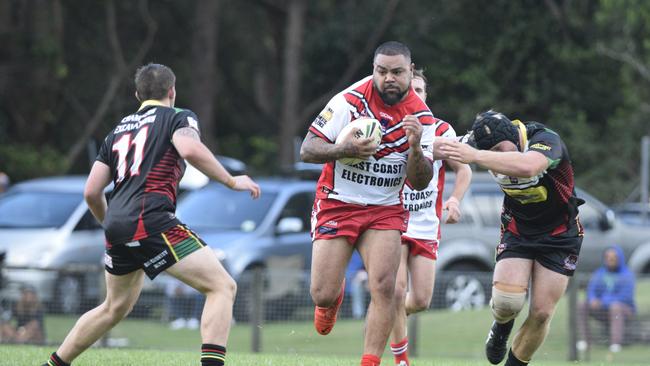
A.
pixel 37 209
pixel 217 208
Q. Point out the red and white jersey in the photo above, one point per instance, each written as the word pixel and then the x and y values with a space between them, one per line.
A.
pixel 425 206
pixel 380 179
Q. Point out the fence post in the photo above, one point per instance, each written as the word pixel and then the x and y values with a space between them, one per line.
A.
pixel 257 316
pixel 572 321
pixel 413 335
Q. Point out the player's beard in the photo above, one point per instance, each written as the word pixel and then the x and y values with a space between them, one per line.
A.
pixel 393 96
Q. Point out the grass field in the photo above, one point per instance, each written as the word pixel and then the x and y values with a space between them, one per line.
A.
pixel 30 356
pixel 444 338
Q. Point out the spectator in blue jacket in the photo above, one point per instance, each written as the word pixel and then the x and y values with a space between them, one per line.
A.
pixel 610 299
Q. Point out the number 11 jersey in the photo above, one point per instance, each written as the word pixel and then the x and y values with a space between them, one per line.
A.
pixel 146 169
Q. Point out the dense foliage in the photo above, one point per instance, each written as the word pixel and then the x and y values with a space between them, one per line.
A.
pixel 579 66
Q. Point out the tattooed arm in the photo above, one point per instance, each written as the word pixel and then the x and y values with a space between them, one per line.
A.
pixel 419 169
pixel 316 150
pixel 187 142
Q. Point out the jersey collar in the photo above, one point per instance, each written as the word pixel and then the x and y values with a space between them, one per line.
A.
pixel 522 132
pixel 150 102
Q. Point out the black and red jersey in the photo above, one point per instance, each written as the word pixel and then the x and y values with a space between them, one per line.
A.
pixel 547 203
pixel 146 170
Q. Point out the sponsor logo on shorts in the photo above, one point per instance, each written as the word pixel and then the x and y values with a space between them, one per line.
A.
pixel 132 244
pixel 157 261
pixel 108 261
pixel 500 248
pixel 332 223
pixel 570 262
pixel 327 230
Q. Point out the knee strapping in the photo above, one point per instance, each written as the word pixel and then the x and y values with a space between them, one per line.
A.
pixel 506 305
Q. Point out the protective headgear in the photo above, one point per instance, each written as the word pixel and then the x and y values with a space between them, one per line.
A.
pixel 492 127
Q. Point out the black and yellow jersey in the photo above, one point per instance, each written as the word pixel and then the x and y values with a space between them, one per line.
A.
pixel 546 203
pixel 146 170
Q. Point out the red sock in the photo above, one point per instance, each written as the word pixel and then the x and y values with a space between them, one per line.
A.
pixel 400 351
pixel 370 360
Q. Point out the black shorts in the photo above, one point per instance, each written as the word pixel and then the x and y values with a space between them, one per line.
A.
pixel 153 254
pixel 559 253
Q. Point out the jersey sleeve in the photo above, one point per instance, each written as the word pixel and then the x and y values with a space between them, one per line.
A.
pixel 331 120
pixel 184 118
pixel 445 131
pixel 548 144
pixel 105 151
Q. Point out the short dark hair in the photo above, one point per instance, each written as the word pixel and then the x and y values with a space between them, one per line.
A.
pixel 152 81
pixel 392 48
pixel 419 73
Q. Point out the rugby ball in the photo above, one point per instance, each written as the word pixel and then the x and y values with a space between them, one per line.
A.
pixel 360 128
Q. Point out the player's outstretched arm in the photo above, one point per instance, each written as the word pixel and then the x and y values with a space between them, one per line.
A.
pixel 461 184
pixel 316 150
pixel 98 179
pixel 511 163
pixel 189 146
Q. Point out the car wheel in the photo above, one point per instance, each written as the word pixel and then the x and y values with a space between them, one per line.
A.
pixel 464 287
pixel 69 294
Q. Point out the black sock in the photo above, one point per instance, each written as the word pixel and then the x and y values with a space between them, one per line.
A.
pixel 55 360
pixel 212 355
pixel 514 361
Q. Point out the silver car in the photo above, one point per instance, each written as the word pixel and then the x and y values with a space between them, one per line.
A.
pixel 466 254
pixel 51 242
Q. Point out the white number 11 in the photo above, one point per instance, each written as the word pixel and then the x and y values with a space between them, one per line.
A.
pixel 123 146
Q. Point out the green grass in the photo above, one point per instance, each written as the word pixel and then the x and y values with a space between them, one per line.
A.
pixel 444 338
pixel 29 356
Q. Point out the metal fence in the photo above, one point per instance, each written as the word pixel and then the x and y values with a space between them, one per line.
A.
pixel 263 310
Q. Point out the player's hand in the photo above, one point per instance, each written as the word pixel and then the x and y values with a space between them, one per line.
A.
pixel 452 206
pixel 413 129
pixel 362 148
pixel 437 151
pixel 455 150
pixel 245 183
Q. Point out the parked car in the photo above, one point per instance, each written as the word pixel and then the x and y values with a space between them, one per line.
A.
pixel 634 213
pixel 466 254
pixel 53 242
pixel 271 233
pixel 48 233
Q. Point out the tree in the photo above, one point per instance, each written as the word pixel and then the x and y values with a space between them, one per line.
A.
pixel 204 65
pixel 122 71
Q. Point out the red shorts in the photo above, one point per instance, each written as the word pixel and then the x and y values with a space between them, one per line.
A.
pixel 332 218
pixel 424 247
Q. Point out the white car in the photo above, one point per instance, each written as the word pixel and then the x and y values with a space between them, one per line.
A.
pixel 51 240
pixel 53 243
